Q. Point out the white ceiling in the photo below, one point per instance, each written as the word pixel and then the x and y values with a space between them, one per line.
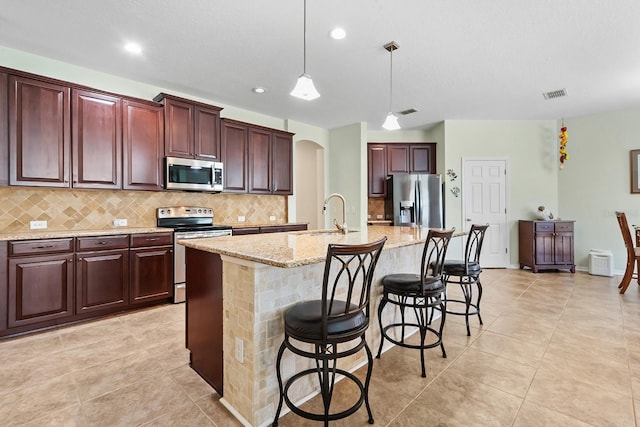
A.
pixel 458 59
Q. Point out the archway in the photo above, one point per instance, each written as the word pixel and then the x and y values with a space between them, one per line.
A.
pixel 309 180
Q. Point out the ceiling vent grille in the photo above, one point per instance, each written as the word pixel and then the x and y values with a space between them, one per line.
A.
pixel 555 94
pixel 408 111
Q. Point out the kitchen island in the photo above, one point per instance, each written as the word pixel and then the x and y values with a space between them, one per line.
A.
pixel 251 281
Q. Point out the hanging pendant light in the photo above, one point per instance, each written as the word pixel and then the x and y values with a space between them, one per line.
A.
pixel 304 87
pixel 391 122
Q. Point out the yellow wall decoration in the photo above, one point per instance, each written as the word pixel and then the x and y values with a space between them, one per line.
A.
pixel 564 138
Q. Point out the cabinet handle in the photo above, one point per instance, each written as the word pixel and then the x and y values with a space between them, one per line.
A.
pixel 103 242
pixel 152 239
pixel 42 247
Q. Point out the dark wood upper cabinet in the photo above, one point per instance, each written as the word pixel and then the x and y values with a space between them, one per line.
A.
pixel 268 158
pixel 422 158
pixel 377 166
pixel 97 140
pixel 143 145
pixel 192 129
pixel 39 133
pixel 282 163
pixel 259 161
pixel 234 145
pixel 4 130
pixel 398 158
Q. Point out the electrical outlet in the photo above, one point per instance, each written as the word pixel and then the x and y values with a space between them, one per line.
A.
pixel 272 218
pixel 120 222
pixel 37 225
pixel 379 216
pixel 239 350
pixel 241 218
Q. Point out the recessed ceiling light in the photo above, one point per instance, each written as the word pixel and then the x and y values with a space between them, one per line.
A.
pixel 134 48
pixel 259 89
pixel 338 33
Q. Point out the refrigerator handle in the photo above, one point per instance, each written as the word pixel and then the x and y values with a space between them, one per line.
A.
pixel 418 208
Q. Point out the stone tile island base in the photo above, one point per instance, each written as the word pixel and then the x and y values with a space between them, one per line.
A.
pixel 255 296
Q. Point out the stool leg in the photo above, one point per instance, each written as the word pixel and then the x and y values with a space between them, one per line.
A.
pixel 422 316
pixel 468 294
pixel 383 302
pixel 443 308
pixel 368 380
pixel 278 360
pixel 479 298
pixel 326 386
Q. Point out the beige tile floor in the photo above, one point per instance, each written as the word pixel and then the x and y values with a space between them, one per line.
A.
pixel 556 349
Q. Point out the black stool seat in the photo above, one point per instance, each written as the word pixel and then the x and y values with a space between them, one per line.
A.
pixel 304 321
pixel 332 328
pixel 422 293
pixel 466 273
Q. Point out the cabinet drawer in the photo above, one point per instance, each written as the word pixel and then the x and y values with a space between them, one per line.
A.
pixel 564 226
pixel 544 226
pixel 36 247
pixel 151 239
pixel 102 242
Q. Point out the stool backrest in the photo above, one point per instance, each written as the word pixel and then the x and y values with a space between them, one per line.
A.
pixel 348 273
pixel 434 252
pixel 474 245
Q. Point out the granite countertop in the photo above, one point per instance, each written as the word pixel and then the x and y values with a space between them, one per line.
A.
pixel 51 234
pixel 298 248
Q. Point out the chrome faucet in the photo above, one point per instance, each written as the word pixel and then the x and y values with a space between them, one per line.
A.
pixel 343 228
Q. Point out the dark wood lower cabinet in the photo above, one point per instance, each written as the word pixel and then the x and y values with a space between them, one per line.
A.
pixel 204 315
pixel 151 274
pixel 546 245
pixel 40 289
pixel 102 280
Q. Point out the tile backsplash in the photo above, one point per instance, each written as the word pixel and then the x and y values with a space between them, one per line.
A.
pixel 66 209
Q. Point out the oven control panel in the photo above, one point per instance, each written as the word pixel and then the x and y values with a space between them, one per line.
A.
pixel 185 212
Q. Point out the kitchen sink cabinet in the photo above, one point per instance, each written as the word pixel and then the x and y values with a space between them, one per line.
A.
pixel 191 129
pixel 143 145
pixel 546 245
pixel 151 267
pixel 40 282
pixel 96 140
pixel 102 273
pixel 39 133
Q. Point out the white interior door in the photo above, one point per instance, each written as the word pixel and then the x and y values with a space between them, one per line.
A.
pixel 484 201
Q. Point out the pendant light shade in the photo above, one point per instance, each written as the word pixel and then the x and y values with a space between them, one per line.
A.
pixel 391 122
pixel 304 87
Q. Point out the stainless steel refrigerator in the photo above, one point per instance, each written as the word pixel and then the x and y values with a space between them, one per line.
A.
pixel 415 200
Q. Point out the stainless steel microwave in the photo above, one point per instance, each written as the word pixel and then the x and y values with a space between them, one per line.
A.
pixel 192 175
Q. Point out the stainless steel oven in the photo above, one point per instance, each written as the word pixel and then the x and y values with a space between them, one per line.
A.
pixel 188 222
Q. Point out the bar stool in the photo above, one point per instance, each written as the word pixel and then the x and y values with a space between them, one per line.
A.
pixel 422 292
pixel 340 317
pixel 466 273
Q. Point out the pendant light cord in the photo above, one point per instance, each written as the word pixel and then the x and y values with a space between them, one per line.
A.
pixel 304 40
pixel 390 79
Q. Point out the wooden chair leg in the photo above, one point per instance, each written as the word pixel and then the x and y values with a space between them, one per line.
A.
pixel 626 279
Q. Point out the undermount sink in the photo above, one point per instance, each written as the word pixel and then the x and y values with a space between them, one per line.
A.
pixel 322 232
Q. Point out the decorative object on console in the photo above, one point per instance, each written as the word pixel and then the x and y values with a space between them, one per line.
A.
pixel 543 214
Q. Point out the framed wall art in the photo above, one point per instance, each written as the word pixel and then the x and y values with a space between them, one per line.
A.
pixel 635 171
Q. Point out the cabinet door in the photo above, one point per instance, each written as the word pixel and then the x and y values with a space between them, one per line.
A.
pixel 422 158
pixel 40 289
pixel 397 158
pixel 39 133
pixel 207 133
pixel 259 161
pixel 234 156
pixel 282 164
pixel 545 248
pixel 150 274
pixel 97 140
pixel 377 170
pixel 4 130
pixel 143 145
pixel 178 133
pixel 102 280
pixel 563 250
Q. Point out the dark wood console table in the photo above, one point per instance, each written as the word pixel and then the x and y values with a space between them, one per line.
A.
pixel 546 245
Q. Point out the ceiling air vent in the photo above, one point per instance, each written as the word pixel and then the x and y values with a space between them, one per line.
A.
pixel 555 94
pixel 408 111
